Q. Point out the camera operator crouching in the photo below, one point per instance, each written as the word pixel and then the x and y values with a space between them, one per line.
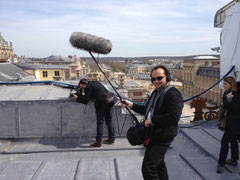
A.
pixel 94 90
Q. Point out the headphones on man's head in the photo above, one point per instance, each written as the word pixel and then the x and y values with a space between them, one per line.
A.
pixel 166 72
pixel 83 81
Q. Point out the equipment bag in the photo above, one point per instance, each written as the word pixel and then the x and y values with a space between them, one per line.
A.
pixel 111 98
pixel 136 135
pixel 139 134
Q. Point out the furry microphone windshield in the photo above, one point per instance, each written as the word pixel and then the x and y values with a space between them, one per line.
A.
pixel 90 43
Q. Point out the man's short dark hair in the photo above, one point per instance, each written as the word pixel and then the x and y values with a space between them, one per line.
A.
pixel 166 71
pixel 83 81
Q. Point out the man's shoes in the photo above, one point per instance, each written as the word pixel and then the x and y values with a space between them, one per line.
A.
pixel 220 169
pixel 231 162
pixel 96 144
pixel 108 141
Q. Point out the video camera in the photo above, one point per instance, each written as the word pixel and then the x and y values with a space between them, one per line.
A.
pixel 73 90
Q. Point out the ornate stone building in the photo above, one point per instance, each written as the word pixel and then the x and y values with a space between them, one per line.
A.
pixel 177 72
pixel 205 78
pixel 200 73
pixel 136 68
pixel 6 51
pixel 137 94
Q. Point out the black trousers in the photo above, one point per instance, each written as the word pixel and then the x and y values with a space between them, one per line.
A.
pixel 103 111
pixel 226 139
pixel 153 166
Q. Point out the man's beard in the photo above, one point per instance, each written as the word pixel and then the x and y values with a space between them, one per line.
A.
pixel 161 87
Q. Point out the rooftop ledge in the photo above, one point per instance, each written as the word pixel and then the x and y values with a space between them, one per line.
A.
pixel 54 118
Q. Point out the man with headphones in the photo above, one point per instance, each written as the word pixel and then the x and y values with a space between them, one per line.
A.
pixel 95 91
pixel 161 118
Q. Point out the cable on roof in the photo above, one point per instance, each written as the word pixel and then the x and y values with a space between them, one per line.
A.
pixel 139 103
pixel 232 68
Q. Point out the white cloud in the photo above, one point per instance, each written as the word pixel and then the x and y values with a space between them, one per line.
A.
pixel 42 28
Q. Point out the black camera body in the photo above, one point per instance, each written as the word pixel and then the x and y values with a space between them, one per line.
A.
pixel 71 95
pixel 75 90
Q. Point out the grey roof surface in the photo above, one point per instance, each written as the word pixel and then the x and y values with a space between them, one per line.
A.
pixel 129 84
pixel 26 66
pixel 179 65
pixel 213 72
pixel 32 92
pixel 192 155
pixel 106 67
pixel 45 66
pixel 23 60
pixel 57 59
pixel 143 76
pixel 10 72
pixel 204 57
pixel 41 91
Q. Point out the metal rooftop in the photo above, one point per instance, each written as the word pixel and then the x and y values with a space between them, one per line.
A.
pixel 47 140
pixel 204 57
pixel 10 72
pixel 131 84
pixel 193 155
pixel 26 92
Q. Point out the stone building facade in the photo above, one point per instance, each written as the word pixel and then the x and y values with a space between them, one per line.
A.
pixel 200 73
pixel 177 72
pixel 137 68
pixel 205 78
pixel 6 50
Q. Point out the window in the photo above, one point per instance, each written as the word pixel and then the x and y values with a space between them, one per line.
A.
pixel 57 73
pixel 45 74
pixel 137 93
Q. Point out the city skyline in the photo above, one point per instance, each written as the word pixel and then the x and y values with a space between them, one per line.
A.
pixel 135 28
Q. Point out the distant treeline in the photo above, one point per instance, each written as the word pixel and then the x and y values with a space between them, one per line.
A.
pixel 104 59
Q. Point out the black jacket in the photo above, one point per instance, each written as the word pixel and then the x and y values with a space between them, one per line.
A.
pixel 233 113
pixel 94 91
pixel 166 117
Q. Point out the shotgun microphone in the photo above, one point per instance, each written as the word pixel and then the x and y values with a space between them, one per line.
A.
pixel 90 43
pixel 98 45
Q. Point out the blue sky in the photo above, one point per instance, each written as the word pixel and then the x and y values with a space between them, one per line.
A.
pixel 40 28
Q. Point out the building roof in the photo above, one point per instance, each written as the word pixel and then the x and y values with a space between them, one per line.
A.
pixel 33 92
pixel 44 66
pixel 43 90
pixel 23 60
pixel 179 65
pixel 26 66
pixel 106 66
pixel 173 83
pixel 138 65
pixel 204 57
pixel 55 59
pixel 10 72
pixel 211 72
pixel 130 84
pixel 192 155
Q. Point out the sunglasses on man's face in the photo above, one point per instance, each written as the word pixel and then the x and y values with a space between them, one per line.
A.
pixel 157 78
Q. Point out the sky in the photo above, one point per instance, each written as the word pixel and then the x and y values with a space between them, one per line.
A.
pixel 136 28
